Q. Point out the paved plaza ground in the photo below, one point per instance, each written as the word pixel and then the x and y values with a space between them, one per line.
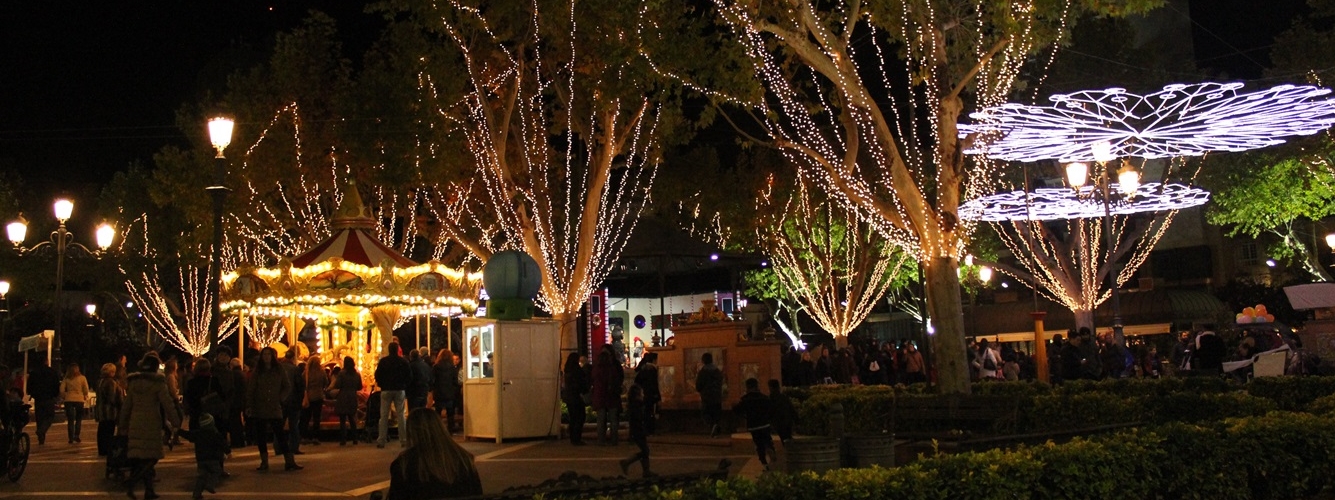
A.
pixel 61 470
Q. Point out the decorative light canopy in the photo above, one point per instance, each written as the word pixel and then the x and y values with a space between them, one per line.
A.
pixel 1180 120
pixel 1065 203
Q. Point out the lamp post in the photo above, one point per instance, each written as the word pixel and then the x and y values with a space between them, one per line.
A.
pixel 1128 180
pixel 61 240
pixel 220 134
pixel 4 309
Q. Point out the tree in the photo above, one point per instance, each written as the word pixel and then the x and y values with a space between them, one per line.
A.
pixel 564 126
pixel 884 140
pixel 831 261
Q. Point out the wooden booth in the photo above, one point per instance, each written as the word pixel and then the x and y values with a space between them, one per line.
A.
pixel 511 378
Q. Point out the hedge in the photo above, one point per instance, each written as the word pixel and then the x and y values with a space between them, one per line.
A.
pixel 1280 455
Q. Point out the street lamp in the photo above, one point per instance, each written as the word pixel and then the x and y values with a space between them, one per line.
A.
pixel 4 309
pixel 220 134
pixel 61 240
pixel 1128 180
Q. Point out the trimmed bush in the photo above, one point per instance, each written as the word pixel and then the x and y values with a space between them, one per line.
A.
pixel 1292 393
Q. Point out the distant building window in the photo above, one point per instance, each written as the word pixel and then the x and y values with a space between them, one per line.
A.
pixel 1249 255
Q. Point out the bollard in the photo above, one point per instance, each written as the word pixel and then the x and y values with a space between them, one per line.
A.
pixel 837 420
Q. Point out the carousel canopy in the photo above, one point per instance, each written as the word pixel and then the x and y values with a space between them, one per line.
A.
pixel 353 239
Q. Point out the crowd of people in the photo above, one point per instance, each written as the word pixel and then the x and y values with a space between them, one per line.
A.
pixel 220 404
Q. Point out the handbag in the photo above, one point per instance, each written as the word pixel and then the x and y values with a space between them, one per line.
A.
pixel 988 363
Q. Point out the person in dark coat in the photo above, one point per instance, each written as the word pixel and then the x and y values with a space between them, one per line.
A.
pixel 608 378
pixel 709 383
pixel 1073 358
pixel 1210 352
pixel 785 415
pixel 574 386
pixel 268 387
pixel 44 387
pixel 757 409
pixel 646 376
pixel 312 411
pixel 202 384
pixel 210 450
pixel 107 412
pixel 232 385
pixel 392 375
pixel 148 409
pixel 344 390
pixel 445 385
pixel 433 466
pixel 292 403
pixel 639 432
pixel 420 383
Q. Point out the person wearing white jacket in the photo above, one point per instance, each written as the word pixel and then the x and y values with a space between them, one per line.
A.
pixel 74 390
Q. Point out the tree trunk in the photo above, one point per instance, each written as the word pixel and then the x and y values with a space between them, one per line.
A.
pixel 947 316
pixel 569 334
pixel 1084 318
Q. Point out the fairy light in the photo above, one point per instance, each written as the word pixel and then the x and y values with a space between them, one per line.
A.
pixel 837 276
pixel 1179 120
pixel 1065 203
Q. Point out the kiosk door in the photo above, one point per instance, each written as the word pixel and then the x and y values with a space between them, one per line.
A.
pixel 528 378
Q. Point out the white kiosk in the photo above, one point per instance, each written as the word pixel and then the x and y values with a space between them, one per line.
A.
pixel 511 378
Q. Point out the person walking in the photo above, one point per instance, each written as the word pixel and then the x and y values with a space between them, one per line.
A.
pixel 392 375
pixel 344 390
pixel 232 388
pixel 74 390
pixel 44 387
pixel 709 383
pixel 147 409
pixel 107 412
pixel 313 406
pixel 433 465
pixel 266 390
pixel 201 389
pixel 784 414
pixel 757 409
pixel 639 432
pixel 646 376
pixel 445 386
pixel 295 371
pixel 575 386
pixel 210 450
pixel 608 378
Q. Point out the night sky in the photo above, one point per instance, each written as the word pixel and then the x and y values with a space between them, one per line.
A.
pixel 88 87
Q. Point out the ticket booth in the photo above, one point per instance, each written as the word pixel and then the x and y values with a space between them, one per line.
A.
pixel 511 378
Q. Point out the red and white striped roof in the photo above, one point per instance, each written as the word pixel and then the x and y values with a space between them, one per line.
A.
pixel 353 239
pixel 355 245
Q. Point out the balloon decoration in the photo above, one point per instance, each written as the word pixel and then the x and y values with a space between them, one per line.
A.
pixel 1256 314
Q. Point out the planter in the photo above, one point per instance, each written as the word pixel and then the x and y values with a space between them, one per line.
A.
pixel 817 454
pixel 871 449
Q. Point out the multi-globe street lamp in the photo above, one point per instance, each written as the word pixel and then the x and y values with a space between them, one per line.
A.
pixel 61 239
pixel 1128 181
pixel 220 135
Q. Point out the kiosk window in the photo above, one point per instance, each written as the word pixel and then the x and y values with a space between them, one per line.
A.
pixel 481 351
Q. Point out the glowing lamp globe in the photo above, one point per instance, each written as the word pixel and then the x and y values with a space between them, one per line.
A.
pixel 512 279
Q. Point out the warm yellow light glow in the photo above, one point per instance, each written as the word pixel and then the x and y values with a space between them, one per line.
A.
pixel 1128 180
pixel 1330 241
pixel 105 235
pixel 18 230
pixel 91 308
pixel 4 288
pixel 220 133
pixel 1077 174
pixel 64 209
pixel 985 274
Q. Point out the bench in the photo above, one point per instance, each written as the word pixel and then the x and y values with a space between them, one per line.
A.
pixel 573 485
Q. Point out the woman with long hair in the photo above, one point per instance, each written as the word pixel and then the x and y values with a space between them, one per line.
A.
pixel 433 465
pixel 269 385
pixel 316 382
pixel 445 385
pixel 74 389
pixel 344 390
pixel 575 386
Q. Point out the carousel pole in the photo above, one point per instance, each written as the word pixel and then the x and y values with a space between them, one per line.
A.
pixel 428 331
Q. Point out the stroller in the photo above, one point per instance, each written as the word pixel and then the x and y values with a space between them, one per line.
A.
pixel 118 461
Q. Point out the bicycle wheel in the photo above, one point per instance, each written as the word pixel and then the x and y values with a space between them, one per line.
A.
pixel 18 457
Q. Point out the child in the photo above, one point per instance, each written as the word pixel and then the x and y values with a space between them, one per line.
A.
pixel 209 450
pixel 638 432
pixel 757 408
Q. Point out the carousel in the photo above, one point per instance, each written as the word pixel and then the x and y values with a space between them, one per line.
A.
pixel 350 291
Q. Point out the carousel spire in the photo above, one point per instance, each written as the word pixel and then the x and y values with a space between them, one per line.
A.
pixel 352 213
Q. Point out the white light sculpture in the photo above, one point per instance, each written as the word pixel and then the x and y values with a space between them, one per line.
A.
pixel 1180 120
pixel 1066 203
